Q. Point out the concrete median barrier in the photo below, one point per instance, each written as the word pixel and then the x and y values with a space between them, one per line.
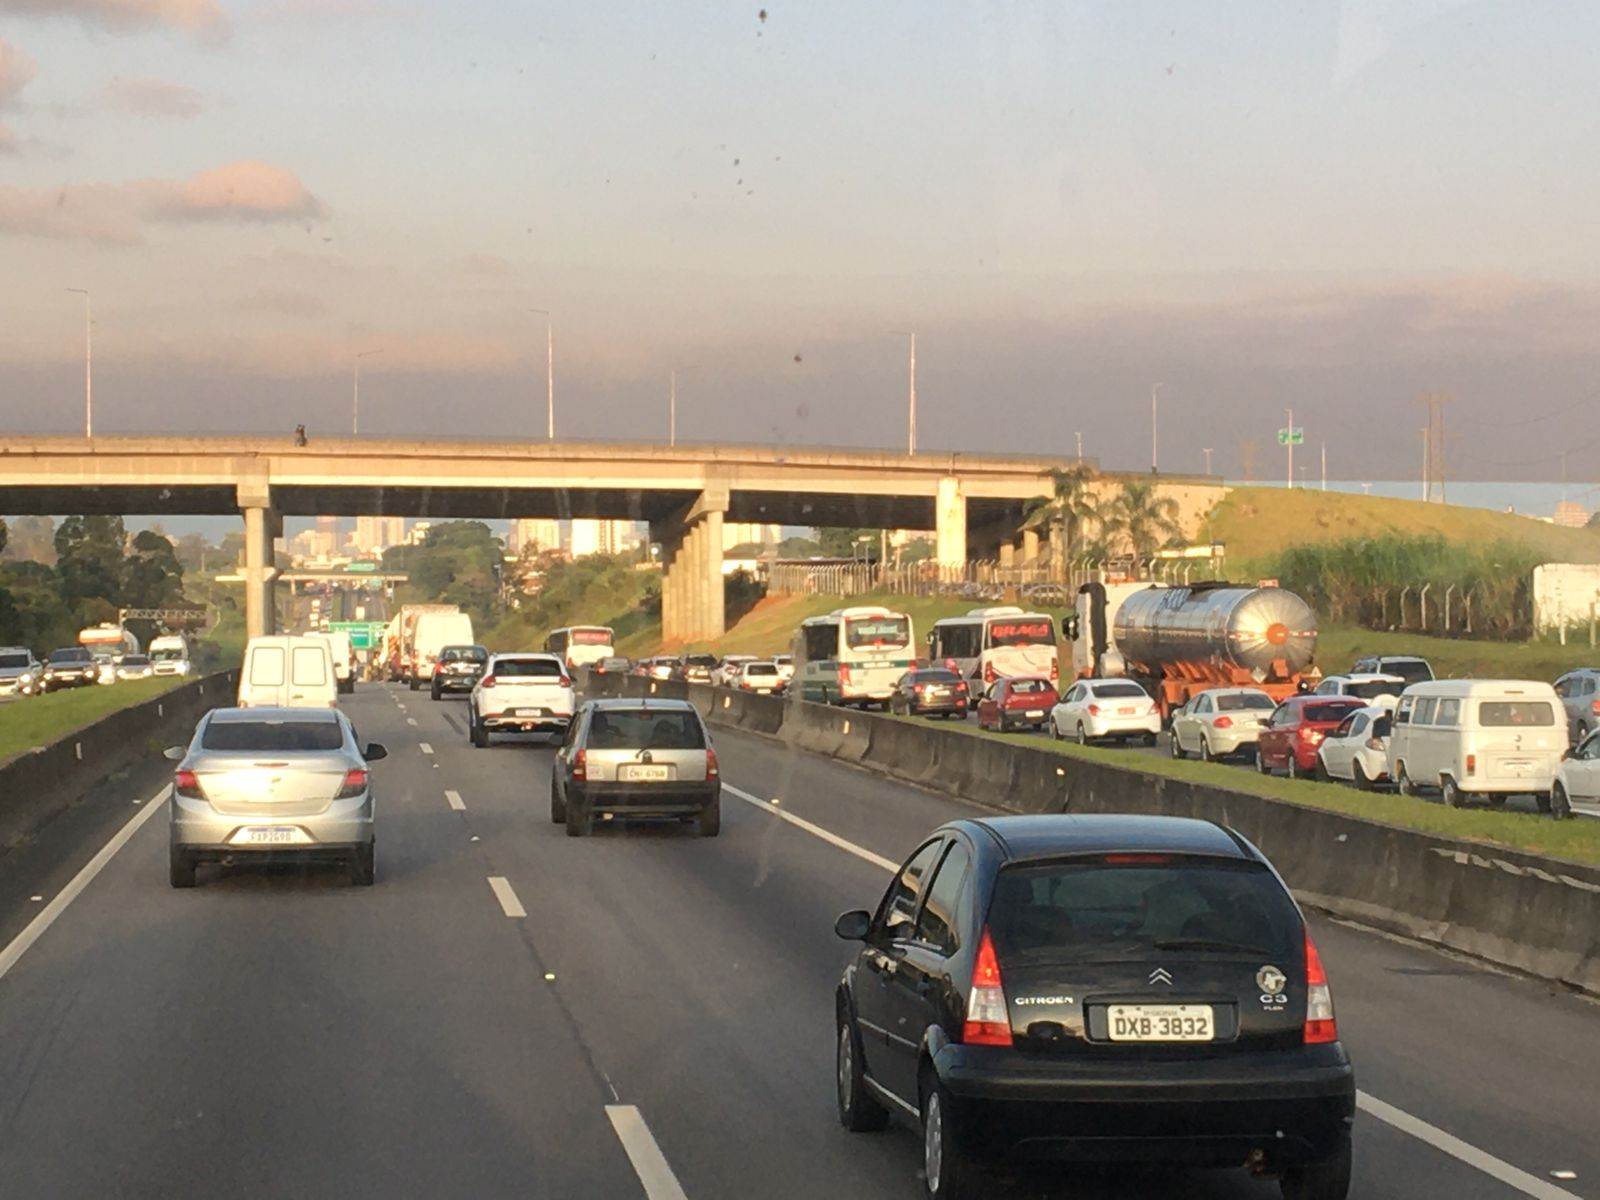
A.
pixel 37 785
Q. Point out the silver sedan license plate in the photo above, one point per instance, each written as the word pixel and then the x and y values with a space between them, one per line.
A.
pixel 1160 1022
pixel 645 773
pixel 271 835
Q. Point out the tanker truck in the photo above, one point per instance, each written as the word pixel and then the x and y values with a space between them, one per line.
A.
pixel 1180 641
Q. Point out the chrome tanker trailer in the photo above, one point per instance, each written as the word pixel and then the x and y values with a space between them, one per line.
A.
pixel 1179 641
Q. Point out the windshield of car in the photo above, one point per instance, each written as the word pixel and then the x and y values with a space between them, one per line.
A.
pixel 1326 712
pixel 527 668
pixel 700 660
pixel 1245 702
pixel 759 668
pixel 1030 687
pixel 135 660
pixel 1412 670
pixel 1082 911
pixel 1516 712
pixel 645 729
pixel 935 675
pixel 70 657
pixel 1371 689
pixel 165 655
pixel 475 654
pixel 272 737
pixel 1118 691
pixel 12 661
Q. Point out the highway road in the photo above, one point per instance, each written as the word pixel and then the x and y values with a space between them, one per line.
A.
pixel 639 1014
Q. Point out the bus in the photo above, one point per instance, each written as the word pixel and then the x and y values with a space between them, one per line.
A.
pixel 853 656
pixel 579 645
pixel 996 643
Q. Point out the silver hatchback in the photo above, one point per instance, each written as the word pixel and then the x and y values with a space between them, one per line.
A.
pixel 265 783
pixel 636 758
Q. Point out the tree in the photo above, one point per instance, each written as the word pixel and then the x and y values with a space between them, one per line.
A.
pixel 847 543
pixel 32 539
pixel 152 576
pixel 917 550
pixel 459 562
pixel 1062 515
pixel 1141 521
pixel 89 558
pixel 799 547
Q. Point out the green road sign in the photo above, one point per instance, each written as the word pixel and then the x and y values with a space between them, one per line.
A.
pixel 1291 437
pixel 364 635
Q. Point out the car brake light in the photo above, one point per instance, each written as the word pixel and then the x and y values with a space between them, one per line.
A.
pixel 988 1020
pixel 186 785
pixel 844 672
pixel 1094 710
pixel 1320 1024
pixel 566 681
pixel 355 782
pixel 918 687
pixel 438 668
pixel 989 675
pixel 487 681
pixel 1472 764
pixel 1308 734
pixel 580 766
pixel 962 686
pixel 1125 859
pixel 1376 743
pixel 1223 723
pixel 712 771
pixel 1055 671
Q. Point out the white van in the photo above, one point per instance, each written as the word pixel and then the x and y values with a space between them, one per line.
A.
pixel 1477 737
pixel 435 631
pixel 344 658
pixel 287 671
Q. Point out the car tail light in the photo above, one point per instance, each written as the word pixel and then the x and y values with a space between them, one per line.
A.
pixel 712 770
pixel 1307 734
pixel 1594 707
pixel 566 681
pixel 580 766
pixel 487 681
pixel 844 673
pixel 1320 1024
pixel 355 782
pixel 918 687
pixel 1094 710
pixel 1123 860
pixel 438 668
pixel 186 785
pixel 1055 671
pixel 1472 764
pixel 962 686
pixel 1376 743
pixel 988 1020
pixel 1222 723
pixel 989 675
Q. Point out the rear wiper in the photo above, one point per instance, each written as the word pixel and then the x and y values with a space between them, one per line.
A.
pixel 1211 944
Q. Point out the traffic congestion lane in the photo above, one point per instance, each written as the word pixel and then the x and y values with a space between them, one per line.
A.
pixel 726 947
pixel 280 1030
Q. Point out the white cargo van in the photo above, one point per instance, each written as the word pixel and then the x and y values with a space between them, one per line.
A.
pixel 344 658
pixel 288 672
pixel 435 631
pixel 1477 737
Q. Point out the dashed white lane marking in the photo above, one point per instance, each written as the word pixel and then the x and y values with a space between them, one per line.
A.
pixel 503 892
pixel 649 1164
pixel 411 720
pixel 1482 1160
pixel 35 928
pixel 454 800
pixel 424 747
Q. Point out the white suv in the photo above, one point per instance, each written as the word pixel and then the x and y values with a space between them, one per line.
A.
pixel 521 693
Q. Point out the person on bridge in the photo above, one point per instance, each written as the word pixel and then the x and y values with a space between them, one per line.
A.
pixel 299 435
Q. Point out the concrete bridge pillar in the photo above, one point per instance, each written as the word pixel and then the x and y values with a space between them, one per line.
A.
pixel 1030 545
pixel 261 526
pixel 950 523
pixel 692 607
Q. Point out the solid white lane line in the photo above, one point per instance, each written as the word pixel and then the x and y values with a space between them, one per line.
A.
pixel 501 887
pixel 48 914
pixel 1522 1181
pixel 649 1164
pixel 454 800
pixel 833 839
pixel 1528 1185
pixel 424 747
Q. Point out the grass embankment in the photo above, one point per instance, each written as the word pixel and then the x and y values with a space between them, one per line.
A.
pixel 1577 840
pixel 1256 523
pixel 32 721
pixel 1455 658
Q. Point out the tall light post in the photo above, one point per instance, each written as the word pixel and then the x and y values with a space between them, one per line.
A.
pixel 355 392
pixel 911 417
pixel 1207 452
pixel 88 361
pixel 1155 429
pixel 672 405
pixel 550 371
pixel 1079 436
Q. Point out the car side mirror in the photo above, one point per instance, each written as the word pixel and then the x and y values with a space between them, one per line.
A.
pixel 174 753
pixel 375 751
pixel 854 926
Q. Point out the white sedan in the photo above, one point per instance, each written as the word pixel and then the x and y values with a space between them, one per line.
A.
pixel 1098 709
pixel 1577 784
pixel 1374 689
pixel 1220 722
pixel 726 673
pixel 1358 749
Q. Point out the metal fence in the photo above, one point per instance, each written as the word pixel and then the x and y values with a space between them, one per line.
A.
pixel 1037 582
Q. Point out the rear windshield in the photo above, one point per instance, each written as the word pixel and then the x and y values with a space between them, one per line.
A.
pixel 1326 712
pixel 1382 727
pixel 464 654
pixel 1031 687
pixel 13 660
pixel 274 737
pixel 1246 702
pixel 527 668
pixel 760 669
pixel 165 655
pixel 866 633
pixel 72 655
pixel 936 676
pixel 700 660
pixel 646 729
pixel 1414 671
pixel 1102 910
pixel 1111 691
pixel 1372 689
pixel 1516 712
pixel 135 660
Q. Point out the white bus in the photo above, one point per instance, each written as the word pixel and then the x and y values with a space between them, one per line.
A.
pixel 579 645
pixel 996 643
pixel 853 656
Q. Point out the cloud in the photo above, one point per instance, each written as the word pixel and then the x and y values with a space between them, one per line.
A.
pixel 9 144
pixel 191 16
pixel 486 264
pixel 154 98
pixel 16 71
pixel 116 213
pixel 287 303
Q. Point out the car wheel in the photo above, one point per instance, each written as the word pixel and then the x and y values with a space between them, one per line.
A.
pixel 858 1111
pixel 1148 739
pixel 1291 769
pixel 947 1173
pixel 1402 781
pixel 1083 736
pixel 1205 750
pixel 1453 797
pixel 558 810
pixel 577 819
pixel 1559 806
pixel 416 684
pixel 1000 724
pixel 1326 1180
pixel 434 691
pixel 1359 777
pixel 1177 747
pixel 180 868
pixel 1055 731
pixel 709 822
pixel 1261 763
pixel 364 865
pixel 1321 772
pixel 480 735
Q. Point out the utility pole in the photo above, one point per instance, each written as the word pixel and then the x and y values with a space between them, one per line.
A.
pixel 1290 411
pixel 1155 429
pixel 550 372
pixel 911 415
pixel 1424 464
pixel 355 392
pixel 88 362
pixel 1324 464
pixel 1435 402
pixel 1207 452
pixel 1079 436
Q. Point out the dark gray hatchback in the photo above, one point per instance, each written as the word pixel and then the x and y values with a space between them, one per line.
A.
pixel 1111 989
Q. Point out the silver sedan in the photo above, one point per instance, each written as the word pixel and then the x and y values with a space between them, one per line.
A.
pixel 1220 722
pixel 265 783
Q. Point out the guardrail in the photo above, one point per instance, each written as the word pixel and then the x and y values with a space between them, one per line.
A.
pixel 1531 913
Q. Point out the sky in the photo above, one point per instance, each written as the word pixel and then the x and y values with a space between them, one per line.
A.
pixel 1330 206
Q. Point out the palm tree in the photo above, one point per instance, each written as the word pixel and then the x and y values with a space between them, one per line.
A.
pixel 1142 520
pixel 1063 513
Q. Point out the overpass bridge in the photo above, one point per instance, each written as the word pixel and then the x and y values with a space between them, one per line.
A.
pixel 974 503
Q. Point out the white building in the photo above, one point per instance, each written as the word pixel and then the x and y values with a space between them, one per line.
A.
pixel 530 535
pixel 739 533
pixel 588 536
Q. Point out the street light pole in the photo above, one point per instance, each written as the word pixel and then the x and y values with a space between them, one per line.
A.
pixel 1155 428
pixel 1207 452
pixel 355 392
pixel 672 405
pixel 911 415
pixel 1079 436
pixel 88 362
pixel 550 372
pixel 1290 411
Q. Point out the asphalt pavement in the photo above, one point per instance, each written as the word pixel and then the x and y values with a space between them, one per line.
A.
pixel 510 1012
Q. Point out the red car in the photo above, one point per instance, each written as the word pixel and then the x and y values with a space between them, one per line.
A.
pixel 1020 702
pixel 1289 741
